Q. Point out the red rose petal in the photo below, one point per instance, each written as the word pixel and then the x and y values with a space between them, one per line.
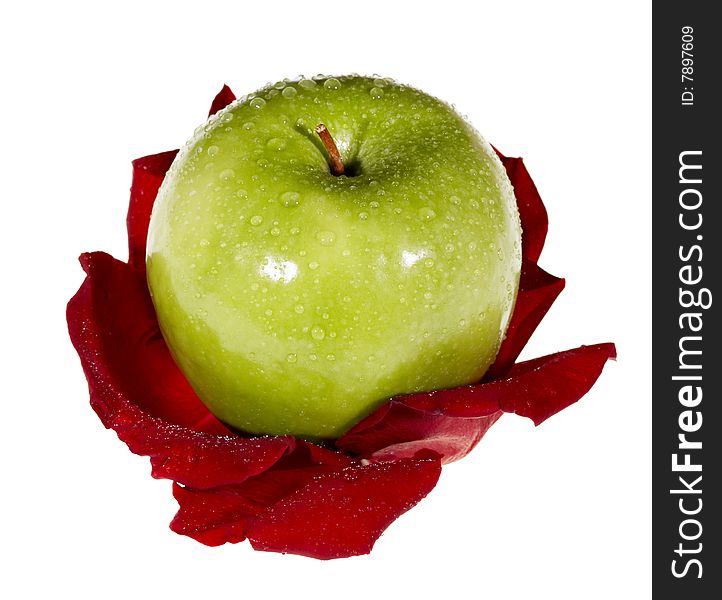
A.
pixel 136 388
pixel 222 99
pixel 204 461
pixel 223 514
pixel 536 388
pixel 451 422
pixel 397 430
pixel 343 513
pixel 148 174
pixel 542 387
pixel 533 215
pixel 213 517
pixel 537 292
pixel 114 329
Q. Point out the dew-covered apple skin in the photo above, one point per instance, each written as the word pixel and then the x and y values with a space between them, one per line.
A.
pixel 296 301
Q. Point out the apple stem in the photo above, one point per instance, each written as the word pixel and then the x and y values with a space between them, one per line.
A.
pixel 334 156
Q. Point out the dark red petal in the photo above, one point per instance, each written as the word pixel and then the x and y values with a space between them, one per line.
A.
pixel 451 422
pixel 201 460
pixel 542 387
pixel 114 329
pixel 136 388
pixel 222 99
pixel 398 430
pixel 222 514
pixel 148 174
pixel 342 513
pixel 537 292
pixel 533 215
pixel 213 517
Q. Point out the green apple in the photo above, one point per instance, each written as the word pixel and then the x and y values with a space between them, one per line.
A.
pixel 296 301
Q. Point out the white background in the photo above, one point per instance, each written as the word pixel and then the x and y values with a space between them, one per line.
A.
pixel 560 511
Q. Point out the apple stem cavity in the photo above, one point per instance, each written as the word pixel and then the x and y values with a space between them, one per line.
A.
pixel 334 157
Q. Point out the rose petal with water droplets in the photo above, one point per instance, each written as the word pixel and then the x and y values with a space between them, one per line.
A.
pixel 343 513
pixel 222 99
pixel 532 213
pixel 148 174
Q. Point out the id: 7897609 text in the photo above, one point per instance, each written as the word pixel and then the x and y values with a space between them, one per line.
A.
pixel 687 65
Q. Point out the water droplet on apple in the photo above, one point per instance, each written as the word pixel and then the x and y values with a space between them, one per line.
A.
pixel 227 174
pixel 307 84
pixel 462 322
pixel 276 144
pixel 299 309
pixel 326 238
pixel 330 357
pixel 371 358
pixel 292 358
pixel 313 265
pixel 212 150
pixel 332 83
pixel 378 82
pixel 376 93
pixel 256 220
pixel 373 204
pixel 317 333
pixel 429 262
pixel 427 214
pixel 363 215
pixel 248 125
pixel 290 199
pixel 257 102
pixel 289 92
pixel 275 231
